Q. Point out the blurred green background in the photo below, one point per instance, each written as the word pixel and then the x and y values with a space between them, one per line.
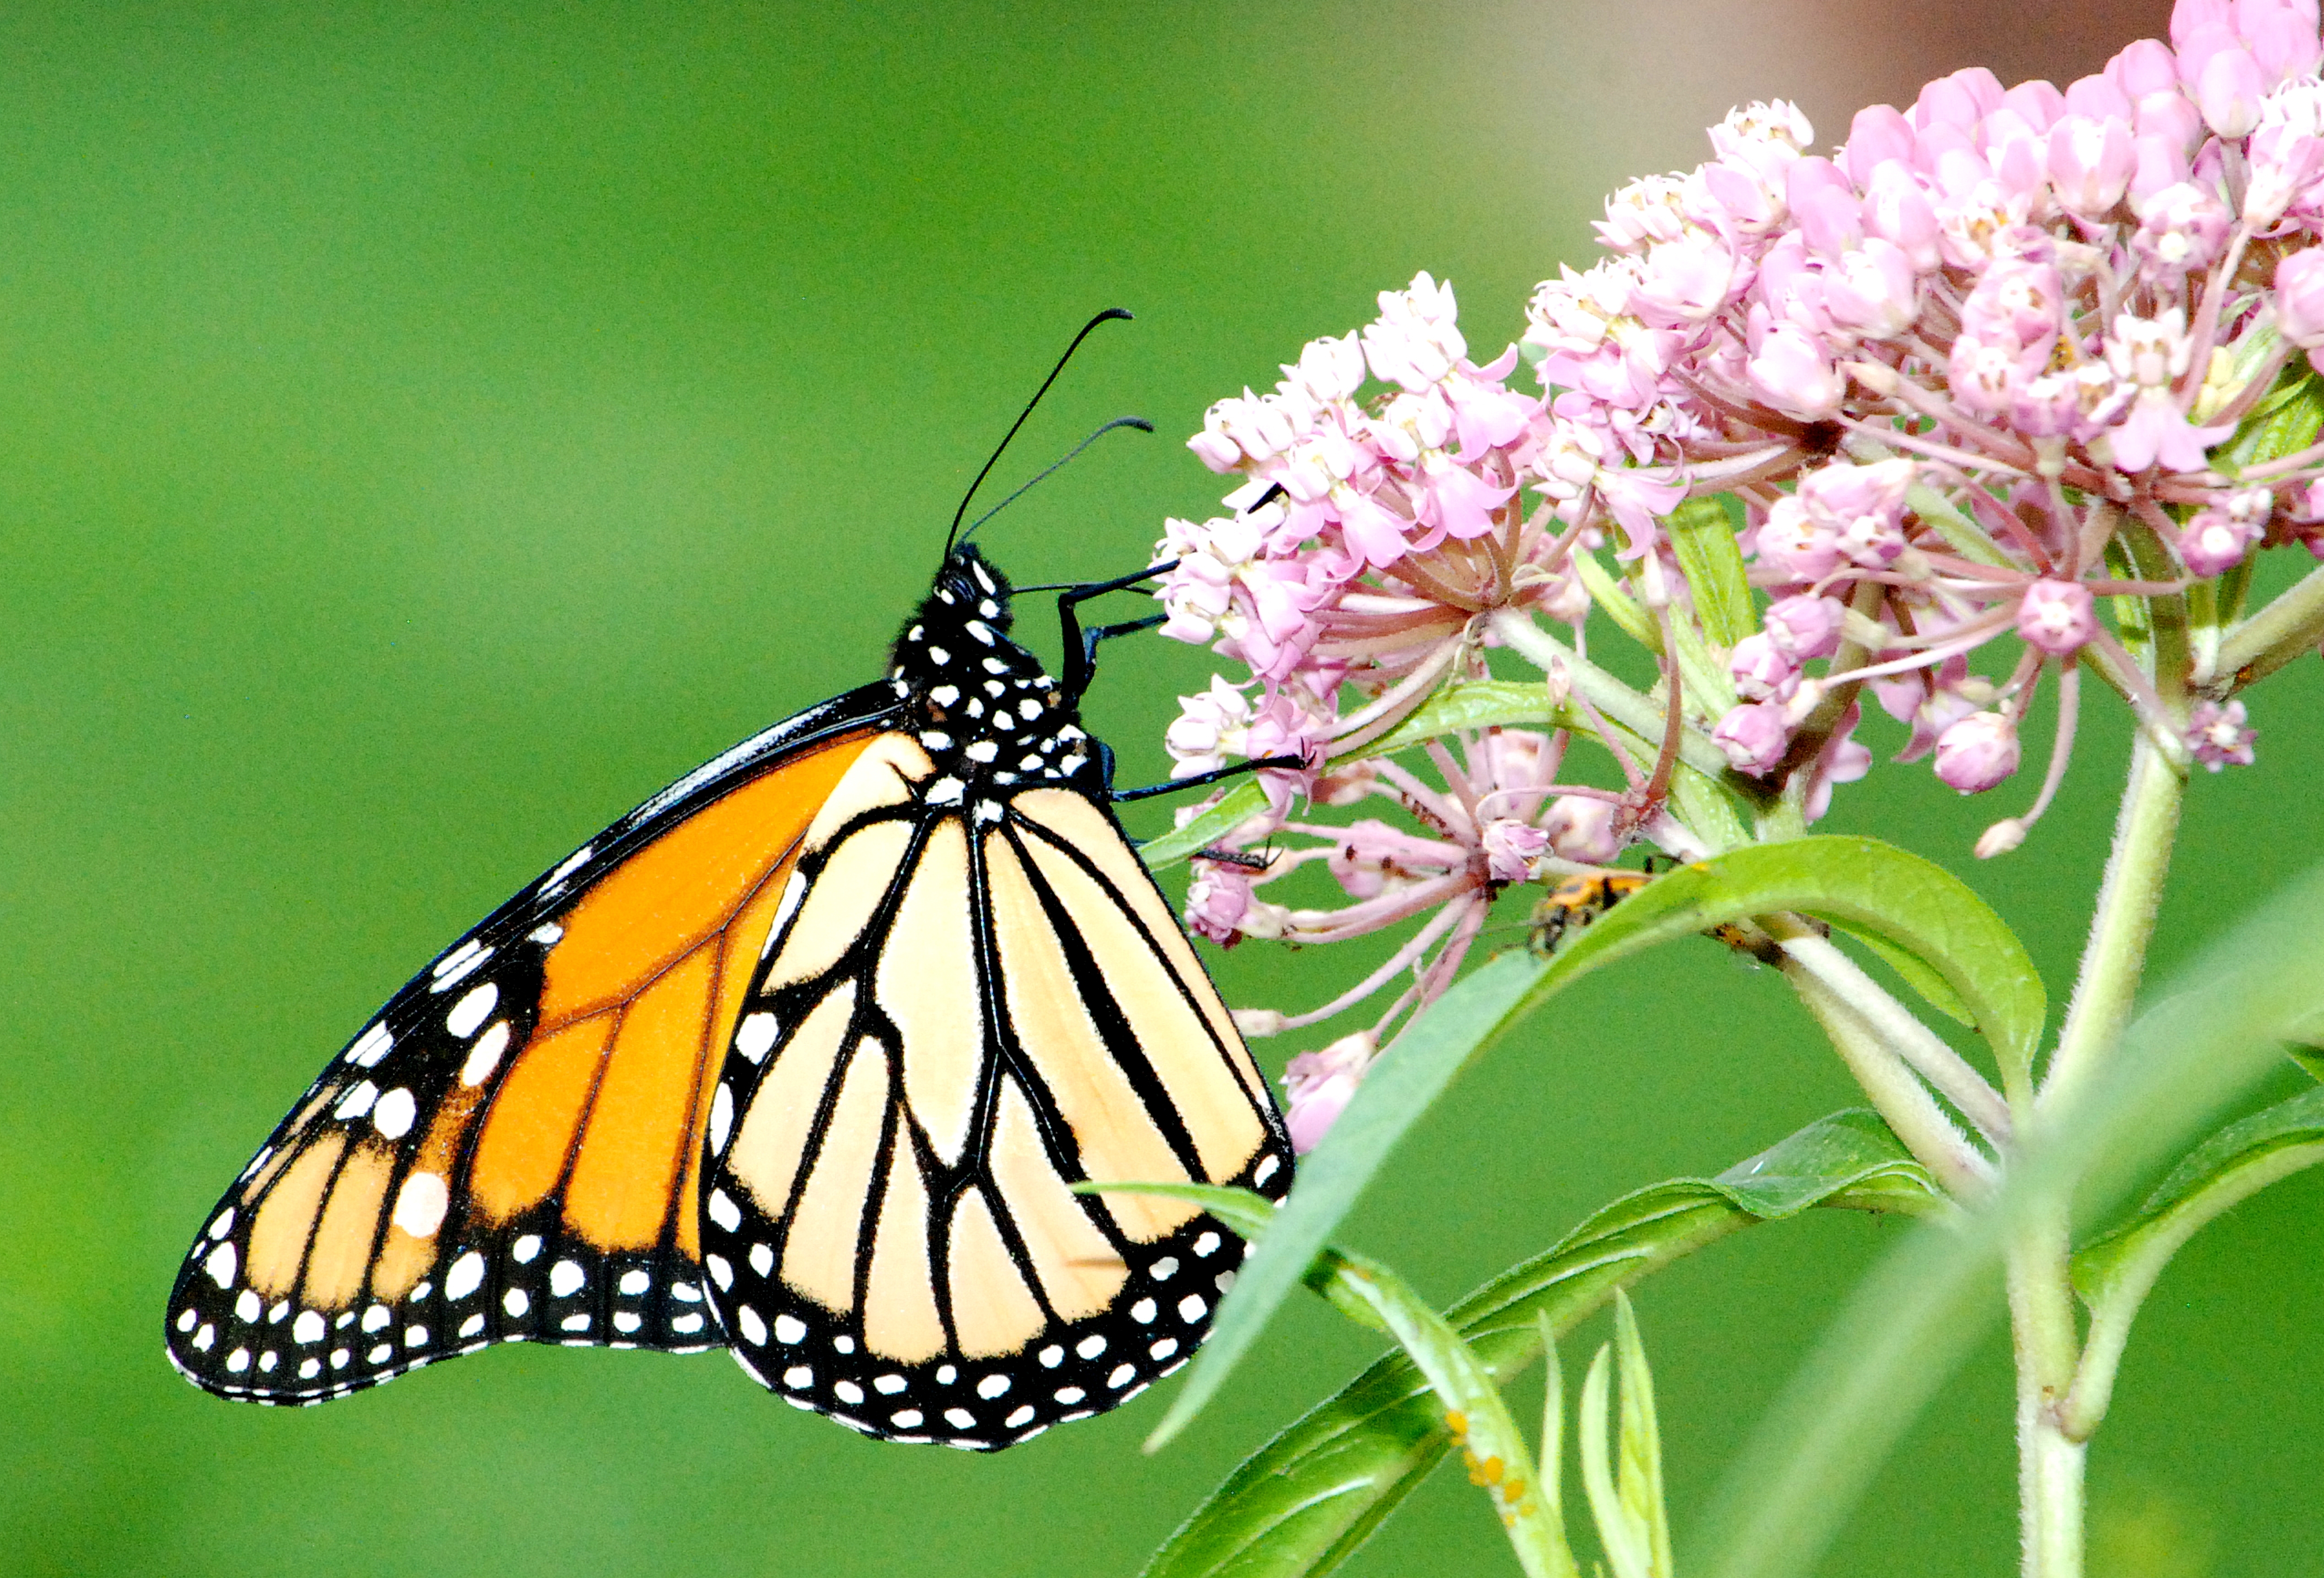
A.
pixel 427 429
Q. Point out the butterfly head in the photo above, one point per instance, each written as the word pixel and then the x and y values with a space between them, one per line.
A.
pixel 982 706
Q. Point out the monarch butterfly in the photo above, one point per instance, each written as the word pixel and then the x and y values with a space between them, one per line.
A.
pixel 800 1057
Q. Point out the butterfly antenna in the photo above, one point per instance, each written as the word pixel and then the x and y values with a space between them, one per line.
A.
pixel 1141 423
pixel 958 515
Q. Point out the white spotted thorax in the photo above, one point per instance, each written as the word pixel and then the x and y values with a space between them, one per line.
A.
pixel 990 718
pixel 992 1303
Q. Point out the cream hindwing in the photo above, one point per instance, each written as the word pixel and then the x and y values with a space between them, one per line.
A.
pixel 972 997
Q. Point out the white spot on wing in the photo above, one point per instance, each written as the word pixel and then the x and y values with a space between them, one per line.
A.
pixel 485 1055
pixel 754 1036
pixel 370 1047
pixel 472 1010
pixel 467 1274
pixel 721 1117
pixel 393 1115
pixel 420 1205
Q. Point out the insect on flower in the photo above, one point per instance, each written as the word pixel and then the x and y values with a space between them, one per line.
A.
pixel 803 1058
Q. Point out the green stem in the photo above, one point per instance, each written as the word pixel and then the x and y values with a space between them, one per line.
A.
pixel 1903 1102
pixel 2290 627
pixel 1912 1040
pixel 2115 957
pixel 2051 1455
pixel 1609 695
pixel 2044 1334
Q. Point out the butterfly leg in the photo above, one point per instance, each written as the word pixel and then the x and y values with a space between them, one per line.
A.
pixel 1080 645
pixel 1197 779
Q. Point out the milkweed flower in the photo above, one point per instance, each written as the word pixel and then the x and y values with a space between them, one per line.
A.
pixel 1971 375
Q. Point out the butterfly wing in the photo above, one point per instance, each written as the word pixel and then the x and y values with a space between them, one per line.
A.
pixel 508 1151
pixel 961 1012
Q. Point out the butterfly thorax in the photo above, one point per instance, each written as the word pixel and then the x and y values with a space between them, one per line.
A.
pixel 990 719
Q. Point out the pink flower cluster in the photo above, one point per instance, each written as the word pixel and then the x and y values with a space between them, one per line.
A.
pixel 1970 376
pixel 1965 372
pixel 1367 538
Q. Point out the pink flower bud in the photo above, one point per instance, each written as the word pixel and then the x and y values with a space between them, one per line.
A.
pixel 1582 829
pixel 1747 205
pixel 2172 123
pixel 1983 374
pixel 2299 298
pixel 1681 283
pixel 1961 99
pixel 1897 210
pixel 1795 545
pixel 2001 838
pixel 1761 669
pixel 1978 752
pixel 2283 42
pixel 2056 617
pixel 1830 219
pixel 2227 87
pixel 2038 103
pixel 2218 736
pixel 1318 1086
pixel 2089 164
pixel 1792 374
pixel 2215 542
pixel 1752 735
pixel 1938 711
pixel 2097 98
pixel 2143 68
pixel 1216 900
pixel 1803 627
pixel 1214 449
pixel 1877 132
pixel 1872 291
pixel 1859 501
pixel 1511 847
pixel 2047 407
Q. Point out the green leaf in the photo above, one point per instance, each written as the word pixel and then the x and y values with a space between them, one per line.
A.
pixel 1468 1400
pixel 1703 532
pixel 2225 1170
pixel 2117 1272
pixel 1238 806
pixel 1876 890
pixel 2286 419
pixel 1916 905
pixel 1617 605
pixel 1632 1523
pixel 1311 1496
